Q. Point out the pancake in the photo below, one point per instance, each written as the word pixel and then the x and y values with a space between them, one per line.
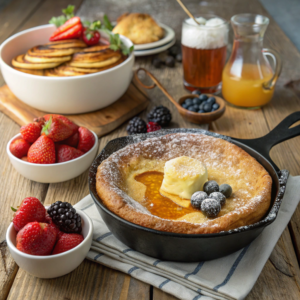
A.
pixel 46 59
pixel 21 62
pixel 123 181
pixel 96 64
pixel 31 71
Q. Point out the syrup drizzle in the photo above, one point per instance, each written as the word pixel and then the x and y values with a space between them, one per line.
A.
pixel 157 204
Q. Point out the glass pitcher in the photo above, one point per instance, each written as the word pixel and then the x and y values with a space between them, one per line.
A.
pixel 248 79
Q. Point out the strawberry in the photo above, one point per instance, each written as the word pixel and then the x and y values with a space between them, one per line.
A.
pixel 36 238
pixel 66 153
pixel 153 126
pixel 66 242
pixel 86 139
pixel 70 29
pixel 42 151
pixel 19 148
pixel 90 34
pixel 56 129
pixel 30 210
pixel 24 158
pixel 31 131
pixel 64 119
pixel 49 221
pixel 72 140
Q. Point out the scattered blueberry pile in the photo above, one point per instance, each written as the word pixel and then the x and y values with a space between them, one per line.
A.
pixel 212 198
pixel 173 55
pixel 200 104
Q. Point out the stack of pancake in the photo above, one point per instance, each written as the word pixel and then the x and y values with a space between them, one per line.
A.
pixel 67 58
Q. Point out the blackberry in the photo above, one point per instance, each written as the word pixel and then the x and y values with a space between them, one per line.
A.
pixel 211 207
pixel 160 114
pixel 64 215
pixel 170 61
pixel 157 62
pixel 136 125
pixel 197 199
pixel 210 187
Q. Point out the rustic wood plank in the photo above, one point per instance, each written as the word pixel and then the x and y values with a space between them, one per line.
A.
pixel 101 121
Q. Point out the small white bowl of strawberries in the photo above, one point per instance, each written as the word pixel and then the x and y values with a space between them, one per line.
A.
pixel 52 149
pixel 49 242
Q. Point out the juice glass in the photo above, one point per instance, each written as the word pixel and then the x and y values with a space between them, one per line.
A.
pixel 248 79
pixel 204 52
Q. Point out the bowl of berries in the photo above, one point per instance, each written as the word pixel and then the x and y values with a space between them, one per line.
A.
pixel 49 242
pixel 52 149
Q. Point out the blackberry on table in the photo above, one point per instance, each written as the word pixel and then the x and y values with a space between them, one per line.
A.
pixel 64 215
pixel 160 115
pixel 170 61
pixel 136 125
pixel 211 207
pixel 197 199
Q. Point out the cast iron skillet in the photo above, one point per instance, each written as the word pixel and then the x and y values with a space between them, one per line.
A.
pixel 198 247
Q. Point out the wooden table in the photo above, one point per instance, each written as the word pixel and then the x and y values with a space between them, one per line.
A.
pixel 280 278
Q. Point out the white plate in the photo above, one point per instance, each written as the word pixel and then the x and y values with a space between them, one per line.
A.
pixel 169 36
pixel 154 50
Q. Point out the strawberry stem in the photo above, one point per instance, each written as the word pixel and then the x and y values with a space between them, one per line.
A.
pixel 47 126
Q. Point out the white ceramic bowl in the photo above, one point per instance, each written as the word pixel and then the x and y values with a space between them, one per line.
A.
pixel 52 173
pixel 63 95
pixel 51 266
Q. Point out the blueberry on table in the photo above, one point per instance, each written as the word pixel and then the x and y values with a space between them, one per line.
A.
pixel 210 187
pixel 203 97
pixel 179 57
pixel 226 190
pixel 211 100
pixel 211 207
pixel 196 92
pixel 197 199
pixel 207 107
pixel 215 106
pixel 218 196
pixel 157 62
pixel 188 101
pixel 170 61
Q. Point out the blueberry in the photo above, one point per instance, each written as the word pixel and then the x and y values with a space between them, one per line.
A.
pixel 197 199
pixel 170 61
pixel 207 107
pixel 196 107
pixel 196 92
pixel 203 97
pixel 210 187
pixel 226 190
pixel 188 101
pixel 211 207
pixel 197 101
pixel 201 111
pixel 201 106
pixel 192 108
pixel 184 105
pixel 211 100
pixel 179 57
pixel 218 196
pixel 157 62
pixel 215 106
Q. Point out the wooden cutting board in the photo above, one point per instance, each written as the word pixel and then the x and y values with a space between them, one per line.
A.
pixel 101 121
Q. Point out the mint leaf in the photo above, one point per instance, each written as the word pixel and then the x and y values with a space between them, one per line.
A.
pixel 95 25
pixel 69 11
pixel 13 209
pixel 58 21
pixel 107 23
pixel 114 47
pixel 88 36
pixel 86 23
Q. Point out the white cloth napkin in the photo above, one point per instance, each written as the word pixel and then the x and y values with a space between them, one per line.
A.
pixel 230 277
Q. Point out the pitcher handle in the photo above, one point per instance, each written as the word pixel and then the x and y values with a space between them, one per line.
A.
pixel 278 66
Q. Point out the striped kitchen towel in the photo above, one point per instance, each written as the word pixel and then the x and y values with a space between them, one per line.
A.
pixel 230 277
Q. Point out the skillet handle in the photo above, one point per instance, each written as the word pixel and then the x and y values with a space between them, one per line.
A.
pixel 280 133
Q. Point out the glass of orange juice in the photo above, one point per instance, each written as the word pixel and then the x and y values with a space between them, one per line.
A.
pixel 248 80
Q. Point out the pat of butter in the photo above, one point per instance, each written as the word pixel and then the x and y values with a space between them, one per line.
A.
pixel 183 176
